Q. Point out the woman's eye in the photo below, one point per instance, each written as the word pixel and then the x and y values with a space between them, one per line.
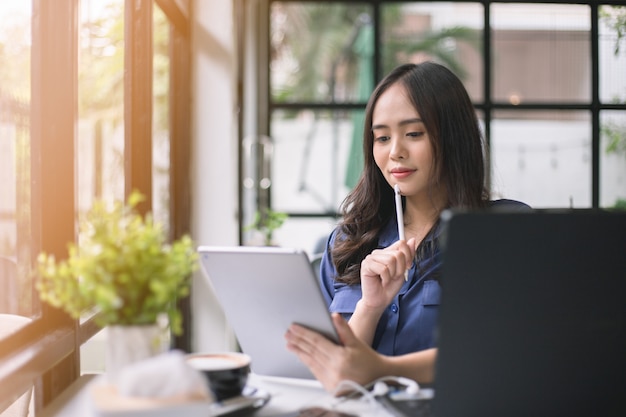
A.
pixel 381 138
pixel 415 134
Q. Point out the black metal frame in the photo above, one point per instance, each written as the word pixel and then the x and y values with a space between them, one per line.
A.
pixel 487 106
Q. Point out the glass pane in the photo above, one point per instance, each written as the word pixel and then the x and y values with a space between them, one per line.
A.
pixel 101 121
pixel 449 33
pixel 15 204
pixel 612 47
pixel 161 120
pixel 317 50
pixel 312 154
pixel 542 158
pixel 100 144
pixel 613 159
pixel 309 234
pixel 541 53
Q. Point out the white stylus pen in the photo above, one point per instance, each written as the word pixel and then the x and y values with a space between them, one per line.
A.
pixel 400 219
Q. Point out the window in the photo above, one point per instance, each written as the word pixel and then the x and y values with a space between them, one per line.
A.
pixel 546 79
pixel 95 119
pixel 15 52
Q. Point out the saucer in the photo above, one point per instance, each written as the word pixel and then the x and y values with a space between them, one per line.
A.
pixel 251 397
pixel 107 403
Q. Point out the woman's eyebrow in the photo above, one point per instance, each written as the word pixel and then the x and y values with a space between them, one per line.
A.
pixel 411 121
pixel 402 123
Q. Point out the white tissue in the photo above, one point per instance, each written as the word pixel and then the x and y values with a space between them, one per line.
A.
pixel 163 376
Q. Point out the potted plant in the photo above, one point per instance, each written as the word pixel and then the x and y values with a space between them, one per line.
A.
pixel 266 222
pixel 122 266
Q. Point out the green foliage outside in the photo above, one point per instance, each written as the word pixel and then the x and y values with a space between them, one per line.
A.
pixel 267 222
pixel 620 204
pixel 123 266
pixel 328 29
pixel 615 18
pixel 616 137
pixel 434 44
pixel 101 70
pixel 615 133
pixel 312 33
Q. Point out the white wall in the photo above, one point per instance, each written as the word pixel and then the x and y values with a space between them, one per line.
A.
pixel 214 157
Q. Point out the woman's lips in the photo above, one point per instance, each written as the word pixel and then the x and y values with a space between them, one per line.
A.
pixel 401 173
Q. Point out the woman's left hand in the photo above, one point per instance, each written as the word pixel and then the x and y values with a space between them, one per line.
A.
pixel 331 363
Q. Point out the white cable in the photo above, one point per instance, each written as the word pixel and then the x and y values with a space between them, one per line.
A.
pixel 411 386
pixel 374 389
pixel 379 389
pixel 355 387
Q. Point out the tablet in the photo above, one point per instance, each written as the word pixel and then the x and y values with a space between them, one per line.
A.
pixel 262 290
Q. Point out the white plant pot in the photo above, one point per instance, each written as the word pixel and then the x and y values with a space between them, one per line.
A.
pixel 128 344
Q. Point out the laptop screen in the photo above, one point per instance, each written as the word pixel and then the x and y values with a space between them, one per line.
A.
pixel 533 314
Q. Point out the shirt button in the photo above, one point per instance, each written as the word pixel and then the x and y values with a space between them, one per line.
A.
pixel 394 308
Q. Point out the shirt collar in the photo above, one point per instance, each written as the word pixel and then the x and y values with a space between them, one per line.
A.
pixel 389 233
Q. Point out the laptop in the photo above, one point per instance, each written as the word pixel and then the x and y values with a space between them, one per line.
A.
pixel 262 290
pixel 533 315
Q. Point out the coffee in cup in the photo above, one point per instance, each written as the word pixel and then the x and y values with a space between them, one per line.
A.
pixel 226 372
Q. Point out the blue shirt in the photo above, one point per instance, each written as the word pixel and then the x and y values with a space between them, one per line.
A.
pixel 408 324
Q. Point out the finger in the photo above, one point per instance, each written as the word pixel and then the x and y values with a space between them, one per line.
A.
pixel 310 342
pixel 402 252
pixel 407 249
pixel 406 252
pixel 316 357
pixel 299 337
pixel 315 366
pixel 380 265
pixel 302 348
pixel 344 331
pixel 412 244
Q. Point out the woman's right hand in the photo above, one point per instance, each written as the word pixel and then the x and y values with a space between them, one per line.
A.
pixel 383 272
pixel 382 276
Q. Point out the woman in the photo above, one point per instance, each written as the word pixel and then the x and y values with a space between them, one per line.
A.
pixel 421 133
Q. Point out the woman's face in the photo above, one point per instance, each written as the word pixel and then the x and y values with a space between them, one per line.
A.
pixel 402 148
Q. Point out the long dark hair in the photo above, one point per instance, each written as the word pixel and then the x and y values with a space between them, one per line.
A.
pixel 459 164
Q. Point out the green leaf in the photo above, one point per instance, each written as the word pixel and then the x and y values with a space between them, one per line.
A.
pixel 123 266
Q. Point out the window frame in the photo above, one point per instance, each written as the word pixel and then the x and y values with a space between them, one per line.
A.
pixel 487 106
pixel 46 353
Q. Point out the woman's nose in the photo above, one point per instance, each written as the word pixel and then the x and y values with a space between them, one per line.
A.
pixel 397 150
